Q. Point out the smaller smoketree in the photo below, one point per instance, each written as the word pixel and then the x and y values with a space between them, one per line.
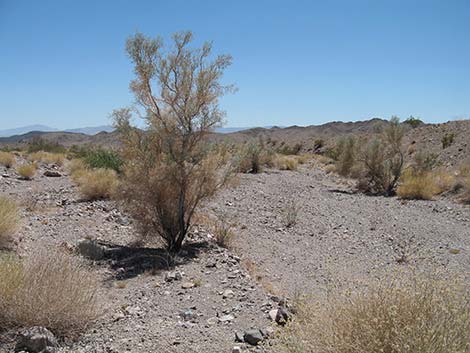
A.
pixel 170 167
pixel 383 161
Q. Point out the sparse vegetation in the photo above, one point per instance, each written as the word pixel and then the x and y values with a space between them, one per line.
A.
pixel 223 232
pixel 291 214
pixel 50 289
pixel 9 220
pixel 413 122
pixel 98 183
pixel 47 157
pixel 26 171
pixel 417 313
pixel 170 168
pixel 39 144
pixel 418 186
pixel 447 140
pixel 7 159
pixel 346 155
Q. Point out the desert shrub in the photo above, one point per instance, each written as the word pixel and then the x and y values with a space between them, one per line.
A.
pixel 102 158
pixel 290 150
pixel 413 314
pixel 98 183
pixel 39 144
pixel 250 159
pixel 462 183
pixel 418 186
pixel 9 220
pixel 50 289
pixel 444 180
pixel 424 161
pixel 447 140
pixel 7 159
pixel 318 144
pixel 413 122
pixel 47 157
pixel 26 171
pixel 286 162
pixel 170 167
pixel 346 154
pixel 383 161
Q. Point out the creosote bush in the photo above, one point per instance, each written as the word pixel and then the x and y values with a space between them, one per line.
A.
pixel 101 158
pixel 98 184
pixel 7 159
pixel 9 220
pixel 51 289
pixel 26 171
pixel 170 168
pixel 411 314
pixel 447 140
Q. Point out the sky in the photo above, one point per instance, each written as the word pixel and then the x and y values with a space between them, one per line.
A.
pixel 63 64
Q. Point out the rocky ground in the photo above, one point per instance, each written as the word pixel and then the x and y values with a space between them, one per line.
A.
pixel 214 293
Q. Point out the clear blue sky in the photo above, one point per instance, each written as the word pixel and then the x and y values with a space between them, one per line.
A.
pixel 62 63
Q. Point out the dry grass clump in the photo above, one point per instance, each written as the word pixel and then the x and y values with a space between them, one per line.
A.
pixel 76 168
pixel 98 183
pixel 9 220
pixel 286 162
pixel 223 232
pixel 26 171
pixel 418 186
pixel 47 157
pixel 419 314
pixel 463 183
pixel 50 289
pixel 7 159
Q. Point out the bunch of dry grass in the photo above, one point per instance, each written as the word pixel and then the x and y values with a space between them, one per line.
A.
pixel 98 183
pixel 26 171
pixel 7 159
pixel 9 220
pixel 47 157
pixel 418 186
pixel 416 314
pixel 223 232
pixel 76 168
pixel 51 289
pixel 283 162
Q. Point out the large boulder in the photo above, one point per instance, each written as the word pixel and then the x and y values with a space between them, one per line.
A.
pixel 36 339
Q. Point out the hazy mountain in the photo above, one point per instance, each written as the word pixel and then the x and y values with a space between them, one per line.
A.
pixel 25 129
pixel 92 130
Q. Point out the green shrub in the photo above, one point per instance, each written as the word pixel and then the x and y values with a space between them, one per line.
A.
pixel 104 159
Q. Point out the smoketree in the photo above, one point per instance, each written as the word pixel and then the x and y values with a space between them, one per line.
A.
pixel 170 165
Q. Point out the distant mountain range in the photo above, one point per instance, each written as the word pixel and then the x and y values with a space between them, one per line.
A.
pixel 92 130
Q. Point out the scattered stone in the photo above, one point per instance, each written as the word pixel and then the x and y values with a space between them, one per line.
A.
pixel 228 293
pixel 253 336
pixel 239 337
pixel 52 174
pixel 187 315
pixel 36 340
pixel 226 318
pixel 187 285
pixel 236 349
pixel 173 276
